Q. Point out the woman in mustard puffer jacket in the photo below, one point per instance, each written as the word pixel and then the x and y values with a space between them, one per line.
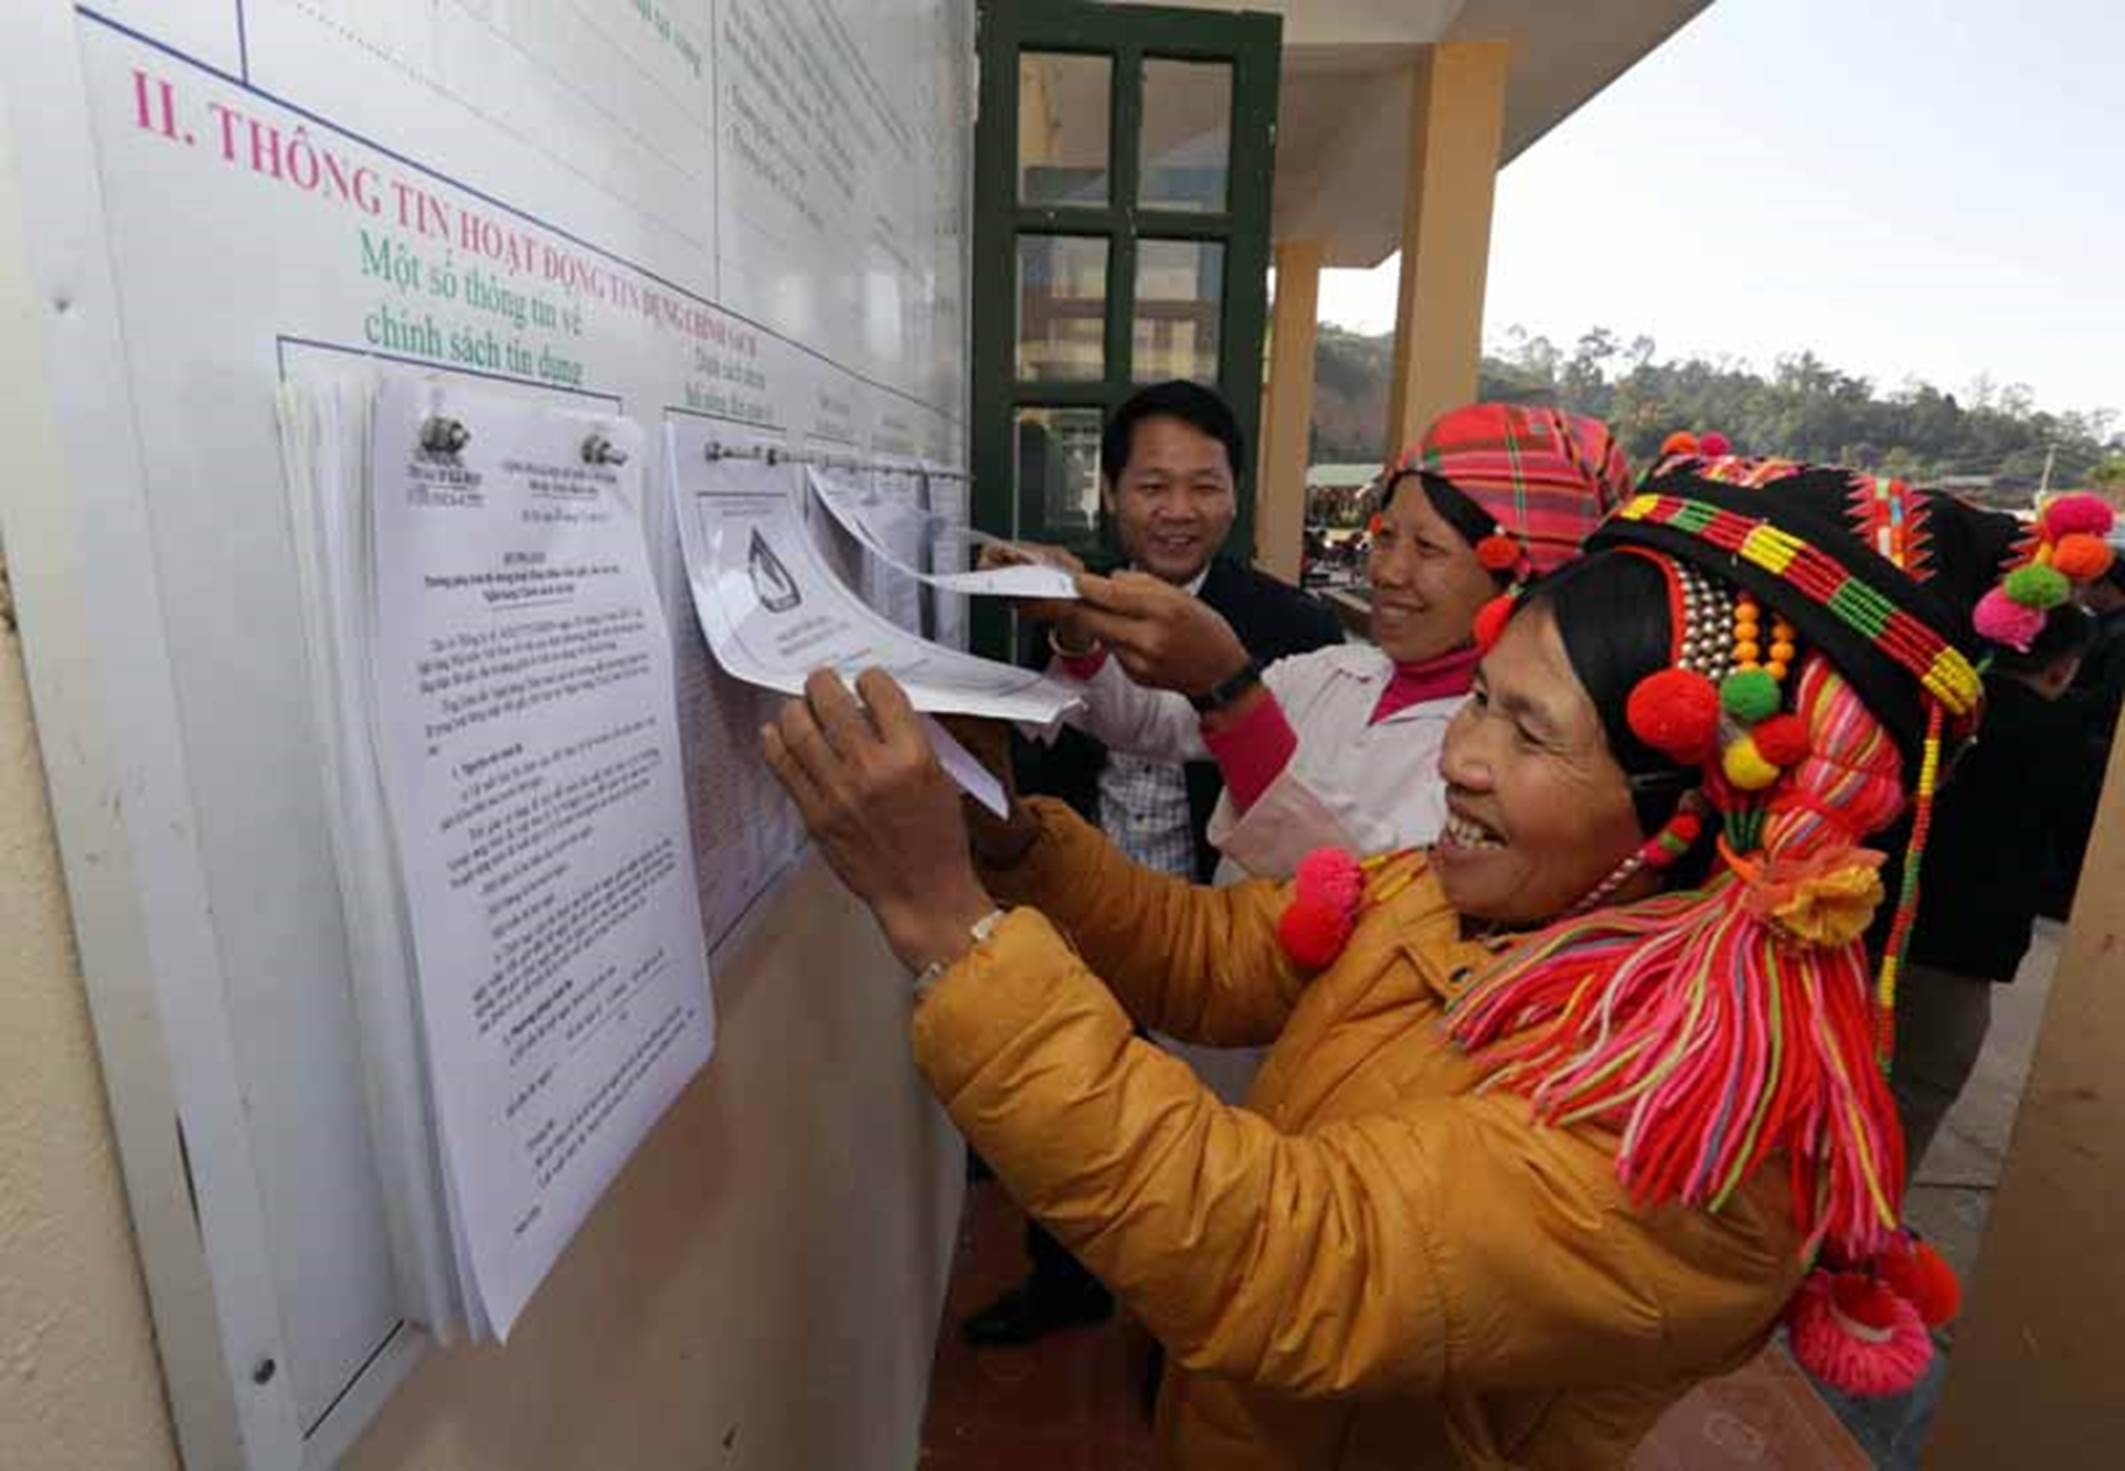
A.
pixel 1380 1261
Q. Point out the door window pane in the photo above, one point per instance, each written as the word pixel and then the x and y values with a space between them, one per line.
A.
pixel 1180 299
pixel 1185 148
pixel 1057 454
pixel 1062 304
pixel 1063 113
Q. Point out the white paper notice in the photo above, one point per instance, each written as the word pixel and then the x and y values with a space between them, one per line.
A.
pixel 888 527
pixel 948 500
pixel 964 767
pixel 774 612
pixel 531 763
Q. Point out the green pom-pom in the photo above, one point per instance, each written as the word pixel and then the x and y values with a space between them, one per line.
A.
pixel 2037 587
pixel 1749 695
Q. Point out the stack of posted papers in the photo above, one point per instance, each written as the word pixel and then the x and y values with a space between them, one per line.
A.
pixel 500 674
pixel 884 525
pixel 773 611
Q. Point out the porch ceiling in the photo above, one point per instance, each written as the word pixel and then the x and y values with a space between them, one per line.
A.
pixel 1343 104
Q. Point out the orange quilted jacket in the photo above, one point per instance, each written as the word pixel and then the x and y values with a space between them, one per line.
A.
pixel 1370 1265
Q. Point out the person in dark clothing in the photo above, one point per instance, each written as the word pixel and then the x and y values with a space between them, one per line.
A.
pixel 2097 693
pixel 2099 689
pixel 1170 463
pixel 2028 777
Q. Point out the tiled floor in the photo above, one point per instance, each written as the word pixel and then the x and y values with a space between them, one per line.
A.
pixel 1074 1402
pixel 1071 1402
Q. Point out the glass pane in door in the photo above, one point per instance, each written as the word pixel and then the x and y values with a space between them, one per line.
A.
pixel 1057 455
pixel 1185 148
pixel 1064 108
pixel 1180 299
pixel 1062 305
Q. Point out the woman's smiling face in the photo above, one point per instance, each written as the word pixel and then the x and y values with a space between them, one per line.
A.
pixel 1427 584
pixel 1540 811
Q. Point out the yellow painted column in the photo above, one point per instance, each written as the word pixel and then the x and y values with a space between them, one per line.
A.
pixel 1287 418
pixel 2032 1382
pixel 1457 116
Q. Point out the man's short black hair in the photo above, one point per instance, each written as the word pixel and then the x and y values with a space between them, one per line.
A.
pixel 1191 403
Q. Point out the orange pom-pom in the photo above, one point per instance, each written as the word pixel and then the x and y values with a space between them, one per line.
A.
pixel 1782 740
pixel 1922 1277
pixel 1681 442
pixel 1676 712
pixel 1498 552
pixel 2082 557
pixel 1491 619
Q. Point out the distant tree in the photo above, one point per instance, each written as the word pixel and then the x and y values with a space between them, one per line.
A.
pixel 1803 407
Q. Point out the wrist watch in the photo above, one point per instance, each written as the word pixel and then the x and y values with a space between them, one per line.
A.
pixel 1065 651
pixel 934 971
pixel 1226 691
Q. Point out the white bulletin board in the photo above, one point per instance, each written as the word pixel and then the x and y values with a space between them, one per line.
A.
pixel 745 211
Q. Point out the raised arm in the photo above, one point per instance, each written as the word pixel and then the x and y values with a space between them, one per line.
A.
pixel 1201 964
pixel 1123 715
pixel 1444 1242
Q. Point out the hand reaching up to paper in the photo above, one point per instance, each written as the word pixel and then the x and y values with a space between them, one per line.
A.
pixel 1164 636
pixel 882 810
pixel 1056 612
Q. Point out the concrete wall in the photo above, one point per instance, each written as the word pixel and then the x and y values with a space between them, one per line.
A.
pixel 760 1289
pixel 79 1385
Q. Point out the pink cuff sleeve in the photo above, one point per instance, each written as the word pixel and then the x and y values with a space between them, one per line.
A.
pixel 1254 752
pixel 1081 667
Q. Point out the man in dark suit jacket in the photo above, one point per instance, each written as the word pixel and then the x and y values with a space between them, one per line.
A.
pixel 1169 463
pixel 1169 470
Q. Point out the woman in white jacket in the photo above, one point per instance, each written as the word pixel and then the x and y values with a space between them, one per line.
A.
pixel 1341 746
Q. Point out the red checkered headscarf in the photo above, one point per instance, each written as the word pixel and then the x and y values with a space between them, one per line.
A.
pixel 1546 477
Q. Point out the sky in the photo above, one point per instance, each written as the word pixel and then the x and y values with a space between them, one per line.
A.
pixel 1928 189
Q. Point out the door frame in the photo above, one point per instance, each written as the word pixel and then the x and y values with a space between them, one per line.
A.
pixel 1252 44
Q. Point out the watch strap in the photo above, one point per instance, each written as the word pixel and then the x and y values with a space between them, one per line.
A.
pixel 1227 691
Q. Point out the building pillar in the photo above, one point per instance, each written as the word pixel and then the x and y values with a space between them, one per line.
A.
pixel 1287 419
pixel 2030 1383
pixel 1457 118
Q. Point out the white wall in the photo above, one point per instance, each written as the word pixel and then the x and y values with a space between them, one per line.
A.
pixel 78 1380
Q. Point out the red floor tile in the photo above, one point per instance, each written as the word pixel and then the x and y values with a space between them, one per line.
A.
pixel 1074 1401
pixel 1071 1402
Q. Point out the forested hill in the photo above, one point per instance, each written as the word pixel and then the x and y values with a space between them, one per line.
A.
pixel 1803 408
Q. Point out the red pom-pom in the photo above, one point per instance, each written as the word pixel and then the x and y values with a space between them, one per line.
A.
pixel 1676 712
pixel 2082 557
pixel 2080 512
pixel 2006 622
pixel 1922 1277
pixel 1313 932
pixel 1712 444
pixel 1681 442
pixel 1856 1335
pixel 1333 877
pixel 1491 619
pixel 1686 827
pixel 1782 740
pixel 1498 552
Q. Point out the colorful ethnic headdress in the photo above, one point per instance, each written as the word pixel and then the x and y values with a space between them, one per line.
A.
pixel 1545 476
pixel 1825 661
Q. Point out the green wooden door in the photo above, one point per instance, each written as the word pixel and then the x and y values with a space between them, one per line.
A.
pixel 1121 237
